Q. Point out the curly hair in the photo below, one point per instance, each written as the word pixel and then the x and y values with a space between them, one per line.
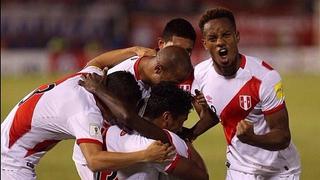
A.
pixel 179 27
pixel 124 86
pixel 167 96
pixel 215 14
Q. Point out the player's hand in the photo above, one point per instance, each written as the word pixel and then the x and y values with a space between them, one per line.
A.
pixel 245 131
pixel 186 134
pixel 143 51
pixel 92 81
pixel 202 108
pixel 158 152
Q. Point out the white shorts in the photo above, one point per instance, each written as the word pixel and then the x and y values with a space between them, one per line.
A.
pixel 8 174
pixel 237 175
pixel 84 172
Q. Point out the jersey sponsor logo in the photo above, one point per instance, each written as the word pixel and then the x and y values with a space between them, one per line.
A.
pixel 94 130
pixel 245 102
pixel 279 90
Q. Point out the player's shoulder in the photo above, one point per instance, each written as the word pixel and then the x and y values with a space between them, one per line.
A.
pixel 203 67
pixel 258 67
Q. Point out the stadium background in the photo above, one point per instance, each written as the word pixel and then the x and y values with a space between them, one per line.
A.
pixel 42 40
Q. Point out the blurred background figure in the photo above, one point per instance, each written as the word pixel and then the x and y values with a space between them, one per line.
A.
pixel 67 30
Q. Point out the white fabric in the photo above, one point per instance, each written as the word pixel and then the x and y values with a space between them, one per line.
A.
pixel 119 141
pixel 254 91
pixel 67 111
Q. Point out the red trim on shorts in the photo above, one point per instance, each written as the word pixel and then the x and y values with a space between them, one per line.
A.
pixel 243 61
pixel 276 109
pixel 87 140
pixel 266 65
pixel 136 69
pixel 174 163
pixel 42 146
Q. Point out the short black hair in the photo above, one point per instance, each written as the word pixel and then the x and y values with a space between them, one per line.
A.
pixel 124 86
pixel 216 13
pixel 167 96
pixel 178 27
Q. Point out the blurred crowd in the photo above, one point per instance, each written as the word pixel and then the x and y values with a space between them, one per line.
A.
pixel 74 31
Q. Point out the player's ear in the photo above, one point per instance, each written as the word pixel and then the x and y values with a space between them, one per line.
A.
pixel 167 119
pixel 204 43
pixel 160 43
pixel 238 36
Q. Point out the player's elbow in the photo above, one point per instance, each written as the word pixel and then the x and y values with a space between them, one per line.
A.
pixel 92 165
pixel 285 142
pixel 204 176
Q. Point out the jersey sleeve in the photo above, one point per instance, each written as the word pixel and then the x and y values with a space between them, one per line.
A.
pixel 195 84
pixel 86 127
pixel 92 69
pixel 181 149
pixel 271 93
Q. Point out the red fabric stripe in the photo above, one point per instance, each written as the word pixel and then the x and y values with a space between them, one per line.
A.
pixel 169 137
pixel 87 140
pixel 136 69
pixel 243 61
pixel 276 109
pixel 233 113
pixel 43 146
pixel 22 120
pixel 186 85
pixel 266 65
pixel 174 163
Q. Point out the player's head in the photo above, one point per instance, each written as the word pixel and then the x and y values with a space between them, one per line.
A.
pixel 172 63
pixel 124 86
pixel 178 32
pixel 168 106
pixel 221 38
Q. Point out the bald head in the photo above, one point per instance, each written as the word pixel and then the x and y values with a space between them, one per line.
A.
pixel 176 61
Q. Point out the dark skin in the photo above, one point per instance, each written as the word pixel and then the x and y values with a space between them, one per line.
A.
pixel 131 119
pixel 221 34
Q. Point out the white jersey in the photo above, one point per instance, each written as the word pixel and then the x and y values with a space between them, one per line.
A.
pixel 129 65
pixel 51 113
pixel 255 91
pixel 118 140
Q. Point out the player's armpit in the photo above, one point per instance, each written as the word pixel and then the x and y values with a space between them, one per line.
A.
pixel 188 169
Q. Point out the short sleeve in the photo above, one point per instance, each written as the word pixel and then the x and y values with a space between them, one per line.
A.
pixel 86 127
pixel 271 93
pixel 181 149
pixel 91 69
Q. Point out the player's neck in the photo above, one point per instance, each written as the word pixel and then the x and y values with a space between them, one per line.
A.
pixel 144 67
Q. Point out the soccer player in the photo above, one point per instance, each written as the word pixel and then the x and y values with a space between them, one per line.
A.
pixel 247 95
pixel 177 32
pixel 167 107
pixel 171 63
pixel 64 110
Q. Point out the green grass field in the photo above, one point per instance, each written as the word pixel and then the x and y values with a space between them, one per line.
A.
pixel 302 98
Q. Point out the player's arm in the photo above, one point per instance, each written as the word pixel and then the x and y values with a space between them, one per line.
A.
pixel 121 110
pixel 112 58
pixel 275 114
pixel 208 118
pixel 99 160
pixel 276 139
pixel 189 169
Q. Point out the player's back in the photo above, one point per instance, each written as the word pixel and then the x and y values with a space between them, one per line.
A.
pixel 118 140
pixel 42 119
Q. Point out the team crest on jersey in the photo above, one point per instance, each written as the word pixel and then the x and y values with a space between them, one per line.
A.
pixel 94 130
pixel 245 102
